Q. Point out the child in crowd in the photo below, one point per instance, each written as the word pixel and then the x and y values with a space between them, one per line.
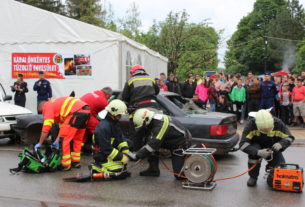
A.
pixel 285 103
pixel 162 85
pixel 238 97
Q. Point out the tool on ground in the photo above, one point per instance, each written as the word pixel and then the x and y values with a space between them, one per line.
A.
pixel 286 177
pixel 199 168
pixel 98 176
pixel 37 161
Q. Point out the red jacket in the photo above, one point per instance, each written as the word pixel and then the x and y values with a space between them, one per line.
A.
pixel 57 110
pixel 97 101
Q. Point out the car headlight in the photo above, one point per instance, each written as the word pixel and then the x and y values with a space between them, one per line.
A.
pixel 2 119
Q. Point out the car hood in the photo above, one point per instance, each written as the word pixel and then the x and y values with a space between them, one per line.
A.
pixel 7 109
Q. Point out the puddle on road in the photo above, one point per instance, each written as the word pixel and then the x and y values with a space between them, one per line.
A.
pixel 108 201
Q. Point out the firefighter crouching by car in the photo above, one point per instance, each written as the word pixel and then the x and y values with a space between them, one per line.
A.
pixel 264 137
pixel 164 132
pixel 109 147
pixel 72 115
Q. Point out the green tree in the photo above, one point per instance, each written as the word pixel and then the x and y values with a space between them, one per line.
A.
pixel 108 16
pixel 130 25
pixel 89 11
pixel 246 46
pixel 286 27
pixel 300 58
pixel 55 6
pixel 189 47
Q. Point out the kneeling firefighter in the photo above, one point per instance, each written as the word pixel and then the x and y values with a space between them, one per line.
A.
pixel 72 115
pixel 164 132
pixel 264 137
pixel 109 147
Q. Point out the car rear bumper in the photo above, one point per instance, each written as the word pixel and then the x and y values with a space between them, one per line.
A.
pixel 222 144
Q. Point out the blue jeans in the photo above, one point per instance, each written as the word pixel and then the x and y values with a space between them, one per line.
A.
pixel 212 105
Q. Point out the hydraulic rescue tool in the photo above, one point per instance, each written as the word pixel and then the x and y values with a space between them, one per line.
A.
pixel 98 176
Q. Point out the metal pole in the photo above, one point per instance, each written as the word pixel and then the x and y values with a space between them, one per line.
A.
pixel 266 54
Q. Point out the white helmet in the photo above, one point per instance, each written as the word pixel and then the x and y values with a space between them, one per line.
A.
pixel 142 117
pixel 264 121
pixel 116 107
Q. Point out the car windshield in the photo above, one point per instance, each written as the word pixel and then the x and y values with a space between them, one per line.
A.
pixel 180 102
pixel 2 92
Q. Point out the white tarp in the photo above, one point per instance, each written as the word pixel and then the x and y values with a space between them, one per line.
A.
pixel 26 29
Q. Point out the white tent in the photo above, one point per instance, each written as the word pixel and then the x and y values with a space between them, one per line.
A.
pixel 26 29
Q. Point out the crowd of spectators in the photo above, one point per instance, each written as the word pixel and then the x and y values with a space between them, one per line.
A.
pixel 238 94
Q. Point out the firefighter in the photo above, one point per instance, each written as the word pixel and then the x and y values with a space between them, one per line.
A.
pixel 109 147
pixel 164 132
pixel 97 101
pixel 20 87
pixel 264 137
pixel 43 88
pixel 72 115
pixel 139 92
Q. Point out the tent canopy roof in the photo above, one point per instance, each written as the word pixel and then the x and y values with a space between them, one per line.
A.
pixel 25 24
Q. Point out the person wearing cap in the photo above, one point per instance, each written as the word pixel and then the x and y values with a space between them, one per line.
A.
pixel 266 137
pixel 268 92
pixel 20 88
pixel 43 88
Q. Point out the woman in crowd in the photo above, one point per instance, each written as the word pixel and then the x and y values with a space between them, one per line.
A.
pixel 176 86
pixel 223 104
pixel 202 91
pixel 212 94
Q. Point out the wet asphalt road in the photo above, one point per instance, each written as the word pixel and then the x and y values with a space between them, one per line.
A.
pixel 48 190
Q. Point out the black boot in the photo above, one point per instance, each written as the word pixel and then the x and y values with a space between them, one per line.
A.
pixel 153 169
pixel 251 182
pixel 253 174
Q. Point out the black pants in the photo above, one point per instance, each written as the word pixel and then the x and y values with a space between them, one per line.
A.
pixel 239 108
pixel 285 114
pixel 278 158
pixel 177 161
pixel 253 105
pixel 20 100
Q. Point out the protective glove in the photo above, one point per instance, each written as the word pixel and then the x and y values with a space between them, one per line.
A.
pixel 132 156
pixel 37 146
pixel 124 159
pixel 277 147
pixel 56 145
pixel 264 153
pixel 126 151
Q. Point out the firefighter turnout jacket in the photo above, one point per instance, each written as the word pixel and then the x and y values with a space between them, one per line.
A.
pixel 97 101
pixel 139 90
pixel 166 132
pixel 108 142
pixel 57 110
pixel 72 115
pixel 251 135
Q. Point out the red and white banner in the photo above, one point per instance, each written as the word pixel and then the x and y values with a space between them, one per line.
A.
pixel 53 65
